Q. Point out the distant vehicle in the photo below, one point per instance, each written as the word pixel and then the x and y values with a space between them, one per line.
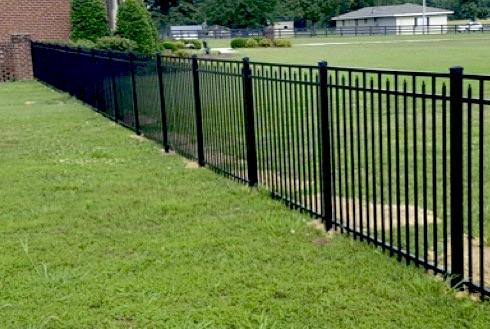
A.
pixel 470 27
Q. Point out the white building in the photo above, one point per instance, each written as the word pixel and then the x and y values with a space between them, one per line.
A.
pixel 283 29
pixel 186 32
pixel 398 19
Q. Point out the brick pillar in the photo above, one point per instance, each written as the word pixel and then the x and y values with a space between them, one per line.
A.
pixel 21 57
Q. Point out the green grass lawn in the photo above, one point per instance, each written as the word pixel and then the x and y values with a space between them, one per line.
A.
pixel 102 230
pixel 423 53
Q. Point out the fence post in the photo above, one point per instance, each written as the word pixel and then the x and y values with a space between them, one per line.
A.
pixel 114 89
pixel 96 91
pixel 197 101
pixel 248 105
pixel 456 170
pixel 163 114
pixel 326 169
pixel 135 96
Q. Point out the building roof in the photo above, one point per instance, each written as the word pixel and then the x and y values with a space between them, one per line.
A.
pixel 218 28
pixel 407 9
pixel 186 28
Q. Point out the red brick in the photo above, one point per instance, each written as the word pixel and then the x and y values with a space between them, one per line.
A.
pixel 42 19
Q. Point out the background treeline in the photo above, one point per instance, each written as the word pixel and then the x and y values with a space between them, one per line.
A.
pixel 256 13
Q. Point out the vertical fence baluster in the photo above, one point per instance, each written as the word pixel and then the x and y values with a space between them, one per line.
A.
pixel 456 170
pixel 114 87
pixel 197 102
pixel 163 114
pixel 481 199
pixel 325 144
pixel 248 106
pixel 135 96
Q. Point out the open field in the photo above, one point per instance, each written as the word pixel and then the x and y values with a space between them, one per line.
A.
pixel 422 53
pixel 101 229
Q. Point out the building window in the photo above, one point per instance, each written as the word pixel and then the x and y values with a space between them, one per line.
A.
pixel 365 20
pixel 375 19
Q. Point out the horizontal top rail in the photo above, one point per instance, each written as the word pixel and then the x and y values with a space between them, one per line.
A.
pixel 314 67
pixel 390 71
pixel 481 77
pixel 222 60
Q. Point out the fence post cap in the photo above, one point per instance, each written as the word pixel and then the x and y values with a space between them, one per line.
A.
pixel 456 69
pixel 323 64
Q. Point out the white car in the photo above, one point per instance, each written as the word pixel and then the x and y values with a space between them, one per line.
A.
pixel 470 27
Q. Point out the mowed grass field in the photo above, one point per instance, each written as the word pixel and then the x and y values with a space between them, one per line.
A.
pixel 100 229
pixel 423 53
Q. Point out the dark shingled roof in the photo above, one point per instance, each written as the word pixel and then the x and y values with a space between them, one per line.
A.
pixel 391 11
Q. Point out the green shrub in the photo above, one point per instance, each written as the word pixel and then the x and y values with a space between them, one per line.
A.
pixel 169 45
pixel 82 43
pixel 197 44
pixel 251 43
pixel 238 43
pixel 179 44
pixel 182 53
pixel 282 43
pixel 88 20
pixel 264 42
pixel 134 22
pixel 116 43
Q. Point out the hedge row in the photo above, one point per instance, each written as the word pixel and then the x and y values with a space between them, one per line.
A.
pixel 259 42
pixel 175 45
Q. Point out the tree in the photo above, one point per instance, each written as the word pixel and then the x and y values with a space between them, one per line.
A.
pixel 134 23
pixel 255 13
pixel 88 20
pixel 186 12
pixel 162 6
pixel 239 13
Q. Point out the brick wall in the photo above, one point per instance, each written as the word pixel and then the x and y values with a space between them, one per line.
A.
pixel 6 72
pixel 16 59
pixel 23 20
pixel 42 19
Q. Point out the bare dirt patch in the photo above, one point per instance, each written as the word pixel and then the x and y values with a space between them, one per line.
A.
pixel 140 138
pixel 326 237
pixel 408 215
pixel 475 258
pixel 191 164
pixel 169 153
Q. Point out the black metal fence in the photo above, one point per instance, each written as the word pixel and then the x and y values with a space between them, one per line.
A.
pixel 341 31
pixel 394 158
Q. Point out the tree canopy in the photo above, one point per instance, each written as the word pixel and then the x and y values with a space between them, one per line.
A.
pixel 134 23
pixel 255 13
pixel 88 20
